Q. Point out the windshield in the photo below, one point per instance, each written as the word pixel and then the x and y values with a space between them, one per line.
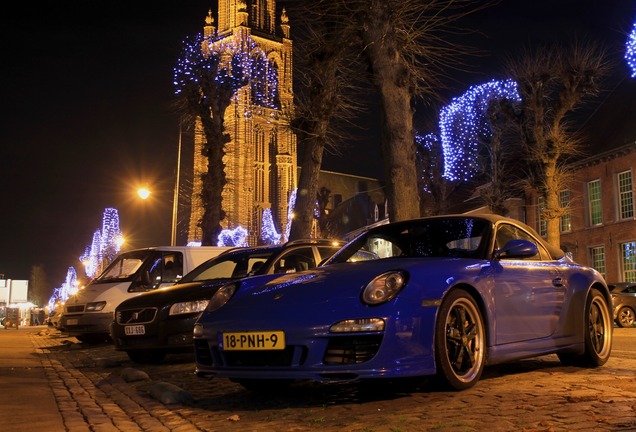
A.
pixel 124 267
pixel 236 264
pixel 447 237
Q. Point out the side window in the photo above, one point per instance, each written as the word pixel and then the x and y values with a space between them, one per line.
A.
pixel 326 251
pixel 505 233
pixel 172 264
pixel 296 260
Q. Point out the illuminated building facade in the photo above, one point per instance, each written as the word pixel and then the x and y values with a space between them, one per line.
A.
pixel 261 157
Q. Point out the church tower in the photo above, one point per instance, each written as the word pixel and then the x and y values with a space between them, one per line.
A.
pixel 261 157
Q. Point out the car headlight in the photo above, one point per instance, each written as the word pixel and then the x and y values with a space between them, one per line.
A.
pixel 188 307
pixel 95 306
pixel 358 325
pixel 222 296
pixel 384 287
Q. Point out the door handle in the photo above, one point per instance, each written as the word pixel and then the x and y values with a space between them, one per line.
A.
pixel 557 282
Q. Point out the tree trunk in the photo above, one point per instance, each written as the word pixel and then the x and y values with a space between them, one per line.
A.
pixel 394 82
pixel 307 190
pixel 214 179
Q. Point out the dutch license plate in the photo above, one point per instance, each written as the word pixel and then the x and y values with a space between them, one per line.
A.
pixel 72 321
pixel 249 341
pixel 134 330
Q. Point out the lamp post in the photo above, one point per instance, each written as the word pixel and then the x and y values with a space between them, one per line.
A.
pixel 144 194
pixel 175 199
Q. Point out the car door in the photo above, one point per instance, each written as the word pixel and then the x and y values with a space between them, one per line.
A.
pixel 528 292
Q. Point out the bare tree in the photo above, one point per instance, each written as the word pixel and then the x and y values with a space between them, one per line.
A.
pixel 409 53
pixel 553 82
pixel 502 172
pixel 326 78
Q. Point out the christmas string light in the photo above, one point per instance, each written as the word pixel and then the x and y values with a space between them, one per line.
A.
pixel 425 151
pixel 464 120
pixel 630 50
pixel 106 244
pixel 269 235
pixel 233 62
pixel 233 237
pixel 291 204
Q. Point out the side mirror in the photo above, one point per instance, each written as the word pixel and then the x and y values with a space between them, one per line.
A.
pixel 517 249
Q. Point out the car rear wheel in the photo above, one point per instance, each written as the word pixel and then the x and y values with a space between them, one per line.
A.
pixel 598 333
pixel 625 317
pixel 459 341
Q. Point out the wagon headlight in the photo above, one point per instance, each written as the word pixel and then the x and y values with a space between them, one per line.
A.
pixel 384 287
pixel 222 296
pixel 95 306
pixel 188 307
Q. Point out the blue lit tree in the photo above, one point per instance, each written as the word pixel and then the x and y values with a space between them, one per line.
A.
pixel 269 235
pixel 472 146
pixel 209 73
pixel 465 123
pixel 434 188
pixel 105 245
pixel 630 50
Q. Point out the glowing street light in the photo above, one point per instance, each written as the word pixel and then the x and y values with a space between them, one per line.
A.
pixel 143 193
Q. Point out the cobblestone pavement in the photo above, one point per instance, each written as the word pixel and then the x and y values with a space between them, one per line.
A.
pixel 530 395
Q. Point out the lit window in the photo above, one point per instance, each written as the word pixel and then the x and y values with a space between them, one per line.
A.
pixel 625 195
pixel 542 226
pixel 598 259
pixel 594 202
pixel 566 219
pixel 628 257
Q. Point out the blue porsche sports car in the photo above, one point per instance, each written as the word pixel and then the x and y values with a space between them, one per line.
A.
pixel 441 296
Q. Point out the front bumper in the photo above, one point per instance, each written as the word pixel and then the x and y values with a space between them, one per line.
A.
pixel 166 333
pixel 86 323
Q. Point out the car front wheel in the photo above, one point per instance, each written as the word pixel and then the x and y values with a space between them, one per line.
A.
pixel 625 317
pixel 459 341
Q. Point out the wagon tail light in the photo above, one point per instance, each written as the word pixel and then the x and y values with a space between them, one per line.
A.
pixel 384 288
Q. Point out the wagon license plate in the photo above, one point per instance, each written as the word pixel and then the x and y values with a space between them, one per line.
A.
pixel 252 341
pixel 72 321
pixel 134 330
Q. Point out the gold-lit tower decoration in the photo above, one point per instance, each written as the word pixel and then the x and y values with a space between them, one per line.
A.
pixel 261 158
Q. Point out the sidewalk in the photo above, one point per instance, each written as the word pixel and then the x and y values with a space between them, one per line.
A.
pixel 26 399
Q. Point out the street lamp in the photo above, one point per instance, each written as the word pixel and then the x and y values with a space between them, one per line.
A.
pixel 175 199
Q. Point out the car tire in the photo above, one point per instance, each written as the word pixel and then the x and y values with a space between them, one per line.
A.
pixel 146 356
pixel 625 317
pixel 460 341
pixel 597 336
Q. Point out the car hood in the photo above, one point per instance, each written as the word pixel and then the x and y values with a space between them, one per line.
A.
pixel 190 291
pixel 336 288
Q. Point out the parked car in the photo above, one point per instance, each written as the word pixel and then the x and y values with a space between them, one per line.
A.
pixel 88 313
pixel 624 301
pixel 441 296
pixel 156 323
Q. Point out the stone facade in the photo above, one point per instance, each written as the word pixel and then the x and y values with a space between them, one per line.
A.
pixel 261 158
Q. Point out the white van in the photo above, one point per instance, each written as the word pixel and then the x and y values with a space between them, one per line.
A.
pixel 88 314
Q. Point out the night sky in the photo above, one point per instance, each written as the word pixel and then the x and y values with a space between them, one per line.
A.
pixel 87 111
